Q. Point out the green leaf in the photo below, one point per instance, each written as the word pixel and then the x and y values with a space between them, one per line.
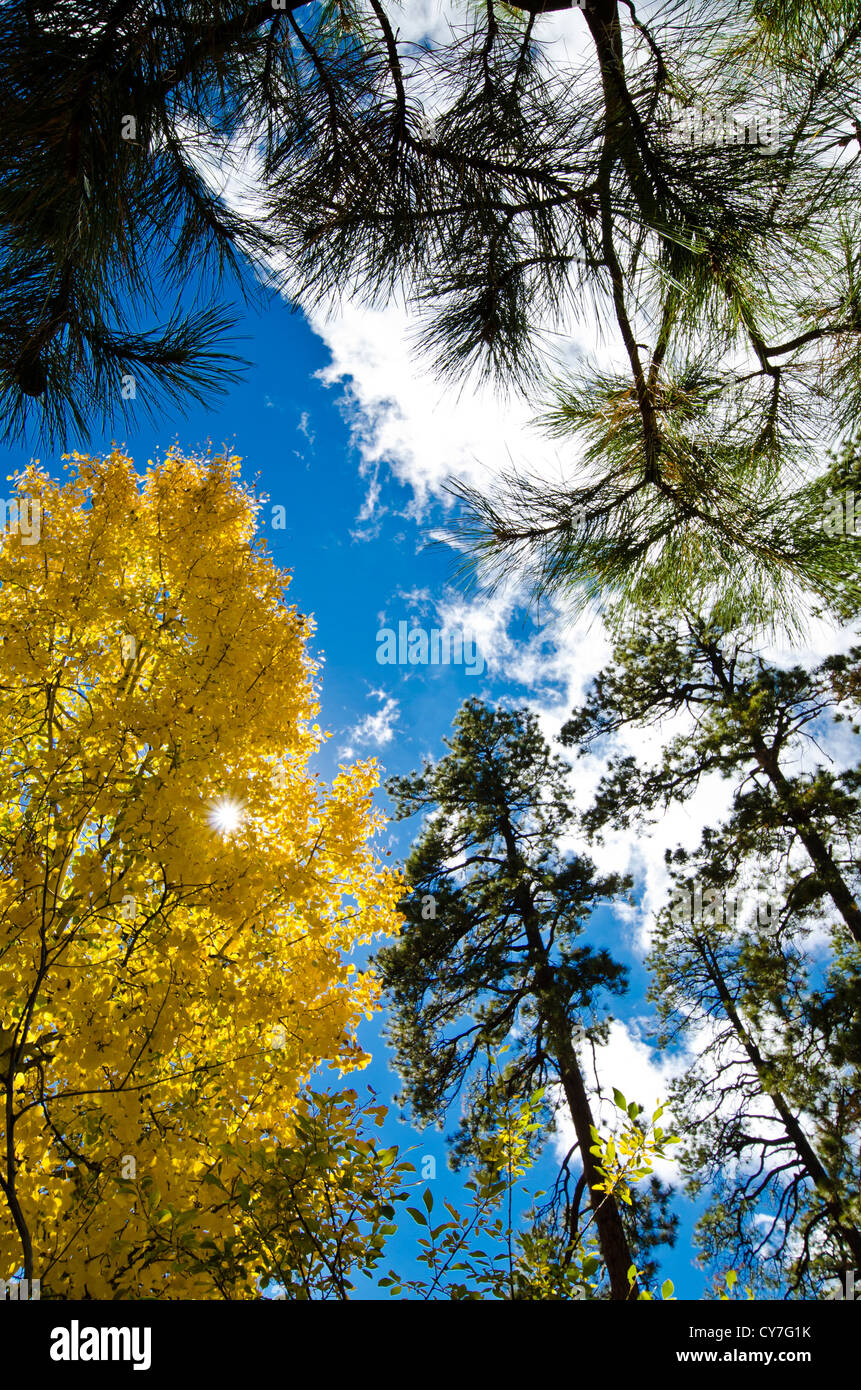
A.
pixel 620 1099
pixel 418 1216
pixel 446 1226
pixel 667 1288
pixel 427 1199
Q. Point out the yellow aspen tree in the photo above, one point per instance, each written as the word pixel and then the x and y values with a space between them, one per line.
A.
pixel 180 890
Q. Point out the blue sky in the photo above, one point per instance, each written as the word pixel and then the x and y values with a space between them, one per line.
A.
pixel 300 441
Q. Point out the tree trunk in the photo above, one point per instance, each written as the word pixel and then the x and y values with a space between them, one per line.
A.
pixel 838 889
pixel 807 1156
pixel 608 1221
pixel 612 1240
pixel 820 854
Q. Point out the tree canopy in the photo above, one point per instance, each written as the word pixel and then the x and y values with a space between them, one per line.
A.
pixel 495 960
pixel 179 887
pixel 755 954
pixel 690 181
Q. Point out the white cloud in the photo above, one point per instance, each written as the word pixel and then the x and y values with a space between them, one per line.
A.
pixel 416 597
pixel 375 730
pixel 640 1073
pixel 556 660
pixel 402 417
pixel 304 427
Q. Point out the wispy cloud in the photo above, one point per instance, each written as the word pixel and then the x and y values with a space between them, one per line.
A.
pixel 304 427
pixel 375 730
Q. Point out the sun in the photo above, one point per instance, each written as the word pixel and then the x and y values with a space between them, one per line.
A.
pixel 226 815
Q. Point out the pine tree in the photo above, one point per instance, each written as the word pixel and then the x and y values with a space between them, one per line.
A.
pixel 488 955
pixel 729 278
pixel 756 960
pixel 748 720
pixel 108 111
pixel 505 193
pixel 769 1105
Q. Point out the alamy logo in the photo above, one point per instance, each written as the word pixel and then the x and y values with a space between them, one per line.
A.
pixel 709 906
pixel 698 906
pixel 700 128
pixel 23 517
pixel 76 1343
pixel 417 647
pixel 21 1290
pixel 845 1292
pixel 841 515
